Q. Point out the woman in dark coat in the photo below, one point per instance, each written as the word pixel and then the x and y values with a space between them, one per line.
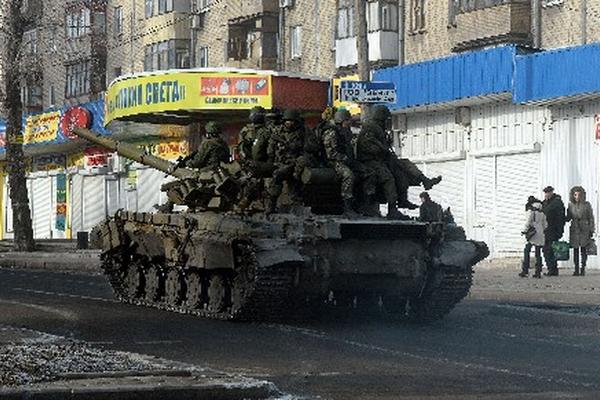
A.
pixel 582 229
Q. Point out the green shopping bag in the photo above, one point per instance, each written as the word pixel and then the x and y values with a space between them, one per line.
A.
pixel 561 250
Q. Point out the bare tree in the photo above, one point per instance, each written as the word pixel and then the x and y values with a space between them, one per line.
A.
pixel 13 28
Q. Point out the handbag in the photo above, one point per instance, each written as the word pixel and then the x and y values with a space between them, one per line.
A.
pixel 561 250
pixel 591 249
pixel 530 233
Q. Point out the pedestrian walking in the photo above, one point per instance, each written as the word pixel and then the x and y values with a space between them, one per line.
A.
pixel 581 216
pixel 534 231
pixel 554 209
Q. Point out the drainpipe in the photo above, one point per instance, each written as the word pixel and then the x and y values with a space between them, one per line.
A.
pixel 536 23
pixel 401 23
pixel 131 36
pixel 318 18
pixel 584 21
pixel 280 42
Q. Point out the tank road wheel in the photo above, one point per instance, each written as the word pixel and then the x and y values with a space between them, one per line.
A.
pixel 195 293
pixel 153 283
pixel 217 293
pixel 173 288
pixel 134 281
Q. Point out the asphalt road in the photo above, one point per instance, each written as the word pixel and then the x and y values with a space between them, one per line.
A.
pixel 482 350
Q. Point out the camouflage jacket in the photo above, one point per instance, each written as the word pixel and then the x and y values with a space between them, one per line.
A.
pixel 337 142
pixel 286 146
pixel 253 142
pixel 371 143
pixel 212 152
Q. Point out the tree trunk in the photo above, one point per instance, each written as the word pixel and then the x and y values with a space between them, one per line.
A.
pixel 17 180
pixel 362 48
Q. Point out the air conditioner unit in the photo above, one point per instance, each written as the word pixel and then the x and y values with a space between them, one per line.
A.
pixel 286 3
pixel 196 21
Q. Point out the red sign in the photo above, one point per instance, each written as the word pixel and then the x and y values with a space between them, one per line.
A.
pixel 96 157
pixel 75 117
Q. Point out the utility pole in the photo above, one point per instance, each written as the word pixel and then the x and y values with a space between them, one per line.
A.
pixel 362 48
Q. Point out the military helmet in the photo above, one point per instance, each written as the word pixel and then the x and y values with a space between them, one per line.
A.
pixel 291 115
pixel 380 113
pixel 341 116
pixel 257 115
pixel 274 114
pixel 212 128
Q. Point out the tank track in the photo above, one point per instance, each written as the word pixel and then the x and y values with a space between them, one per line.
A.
pixel 266 298
pixel 450 285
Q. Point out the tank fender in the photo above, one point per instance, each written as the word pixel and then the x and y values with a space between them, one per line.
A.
pixel 274 252
pixel 463 252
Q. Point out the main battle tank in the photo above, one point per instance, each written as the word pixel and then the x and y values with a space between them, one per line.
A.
pixel 216 262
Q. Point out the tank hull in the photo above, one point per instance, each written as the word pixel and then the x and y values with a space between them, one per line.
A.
pixel 253 267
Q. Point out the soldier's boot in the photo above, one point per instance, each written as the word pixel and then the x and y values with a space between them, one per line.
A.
pixel 582 272
pixel 404 203
pixel 576 272
pixel 429 183
pixel 394 213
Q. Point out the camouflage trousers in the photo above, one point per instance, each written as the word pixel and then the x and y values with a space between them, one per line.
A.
pixel 346 177
pixel 378 178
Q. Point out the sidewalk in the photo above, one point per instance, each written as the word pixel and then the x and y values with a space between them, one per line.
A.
pixel 35 365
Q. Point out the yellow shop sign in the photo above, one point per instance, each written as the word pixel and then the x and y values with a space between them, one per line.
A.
pixel 186 91
pixel 41 128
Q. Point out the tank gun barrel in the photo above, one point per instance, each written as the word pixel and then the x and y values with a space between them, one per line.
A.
pixel 134 153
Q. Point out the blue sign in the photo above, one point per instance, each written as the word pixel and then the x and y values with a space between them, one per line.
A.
pixel 367 92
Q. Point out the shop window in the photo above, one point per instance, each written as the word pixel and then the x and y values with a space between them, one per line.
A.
pixel 296 41
pixel 78 79
pixel 345 22
pixel 78 22
pixel 203 57
pixel 118 21
pixel 417 16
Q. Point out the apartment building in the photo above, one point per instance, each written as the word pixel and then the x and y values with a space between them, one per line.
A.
pixel 64 53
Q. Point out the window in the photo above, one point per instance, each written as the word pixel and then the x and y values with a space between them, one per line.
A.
pixel 149 9
pixel 30 41
pixel 389 17
pixel 296 41
pixel 118 21
pixel 31 97
pixel 51 96
pixel 78 79
pixel 168 54
pixel 203 56
pixel 345 25
pixel 117 71
pixel 417 16
pixel 78 22
pixel 165 6
pixel 463 6
pixel 52 40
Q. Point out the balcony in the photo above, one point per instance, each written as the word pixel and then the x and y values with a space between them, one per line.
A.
pixel 507 21
pixel 244 9
pixel 252 40
pixel 383 50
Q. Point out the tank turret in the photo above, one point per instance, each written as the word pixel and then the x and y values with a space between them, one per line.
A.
pixel 214 189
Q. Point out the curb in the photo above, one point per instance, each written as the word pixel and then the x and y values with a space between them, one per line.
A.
pixel 146 392
pixel 88 262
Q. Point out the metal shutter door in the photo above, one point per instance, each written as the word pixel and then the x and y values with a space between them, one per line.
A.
pixel 149 183
pixel 41 202
pixel 94 205
pixel 484 191
pixel 517 179
pixel 8 215
pixel 450 192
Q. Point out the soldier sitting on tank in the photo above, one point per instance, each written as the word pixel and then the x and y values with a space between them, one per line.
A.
pixel 339 153
pixel 212 152
pixel 291 149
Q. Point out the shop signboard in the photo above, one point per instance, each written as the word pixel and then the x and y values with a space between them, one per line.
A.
pixel 186 91
pixel 41 128
pixel 368 92
pixel 353 108
pixel 61 202
pixel 49 162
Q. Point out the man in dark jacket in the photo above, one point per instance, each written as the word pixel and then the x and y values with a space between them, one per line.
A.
pixel 430 211
pixel 554 209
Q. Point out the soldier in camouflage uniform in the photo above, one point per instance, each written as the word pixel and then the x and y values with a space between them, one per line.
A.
pixel 212 152
pixel 339 154
pixel 291 149
pixel 253 138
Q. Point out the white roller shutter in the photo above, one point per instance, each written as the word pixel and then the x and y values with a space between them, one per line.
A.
pixel 8 215
pixel 113 200
pixel 94 204
pixel 148 188
pixel 517 179
pixel 484 173
pixel 41 206
pixel 450 192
